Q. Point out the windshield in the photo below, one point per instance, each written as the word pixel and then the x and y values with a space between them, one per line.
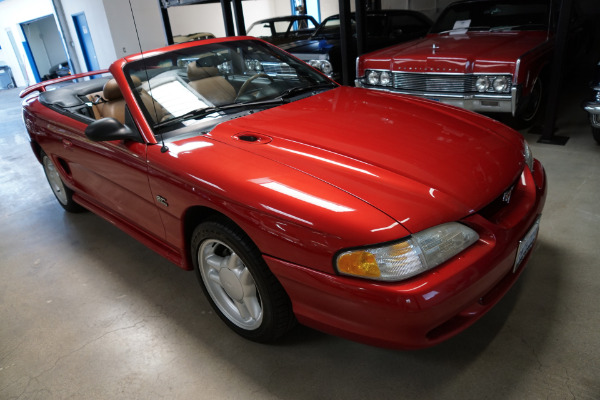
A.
pixel 192 83
pixel 487 15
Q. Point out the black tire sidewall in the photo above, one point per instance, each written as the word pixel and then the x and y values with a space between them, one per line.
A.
pixel 533 118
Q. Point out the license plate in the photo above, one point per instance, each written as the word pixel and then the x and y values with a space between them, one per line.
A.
pixel 526 244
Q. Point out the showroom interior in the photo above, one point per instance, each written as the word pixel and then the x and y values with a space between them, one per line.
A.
pixel 88 312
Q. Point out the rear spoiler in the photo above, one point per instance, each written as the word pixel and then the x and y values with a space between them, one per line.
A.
pixel 41 87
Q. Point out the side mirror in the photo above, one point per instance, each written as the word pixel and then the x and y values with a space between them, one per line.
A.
pixel 107 129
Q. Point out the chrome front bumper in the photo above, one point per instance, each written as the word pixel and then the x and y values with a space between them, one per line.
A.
pixel 501 103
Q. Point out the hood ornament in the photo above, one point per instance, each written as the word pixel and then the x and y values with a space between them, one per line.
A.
pixel 434 47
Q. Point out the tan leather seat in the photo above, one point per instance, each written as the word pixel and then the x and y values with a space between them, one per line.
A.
pixel 208 83
pixel 111 104
pixel 114 104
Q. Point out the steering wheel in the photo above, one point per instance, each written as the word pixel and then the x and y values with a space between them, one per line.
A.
pixel 246 84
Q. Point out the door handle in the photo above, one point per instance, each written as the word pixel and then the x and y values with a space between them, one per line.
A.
pixel 67 143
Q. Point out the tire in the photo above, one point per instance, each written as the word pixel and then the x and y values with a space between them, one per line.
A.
pixel 596 134
pixel 529 114
pixel 63 194
pixel 238 284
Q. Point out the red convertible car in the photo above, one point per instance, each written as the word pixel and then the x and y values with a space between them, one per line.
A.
pixel 382 218
pixel 482 55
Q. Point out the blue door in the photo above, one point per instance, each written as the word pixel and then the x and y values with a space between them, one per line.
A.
pixel 87 45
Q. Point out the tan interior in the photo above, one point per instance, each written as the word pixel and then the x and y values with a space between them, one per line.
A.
pixel 110 102
pixel 208 83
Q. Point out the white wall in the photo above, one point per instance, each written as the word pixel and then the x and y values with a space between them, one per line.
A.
pixel 197 18
pixel 141 31
pixel 12 13
pixel 99 30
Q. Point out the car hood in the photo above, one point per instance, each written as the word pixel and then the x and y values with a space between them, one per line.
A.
pixel 420 162
pixel 310 46
pixel 463 53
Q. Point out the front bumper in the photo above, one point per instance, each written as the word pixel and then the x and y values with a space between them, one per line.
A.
pixel 432 307
pixel 492 103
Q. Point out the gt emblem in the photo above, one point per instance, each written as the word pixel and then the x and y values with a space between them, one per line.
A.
pixel 507 194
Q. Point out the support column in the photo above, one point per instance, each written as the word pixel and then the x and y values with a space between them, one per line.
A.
pixel 228 17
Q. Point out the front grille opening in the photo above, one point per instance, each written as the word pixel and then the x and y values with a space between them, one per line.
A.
pixel 492 212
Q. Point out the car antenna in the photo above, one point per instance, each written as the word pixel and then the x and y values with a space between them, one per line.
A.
pixel 164 147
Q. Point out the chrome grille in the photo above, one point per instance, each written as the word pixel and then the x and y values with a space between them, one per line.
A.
pixel 434 82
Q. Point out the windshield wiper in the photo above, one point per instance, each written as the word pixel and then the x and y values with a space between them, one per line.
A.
pixel 297 90
pixel 203 112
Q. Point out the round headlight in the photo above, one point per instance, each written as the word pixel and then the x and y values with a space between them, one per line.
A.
pixel 385 78
pixel 500 84
pixel 482 84
pixel 373 78
pixel 314 64
pixel 250 64
pixel 325 67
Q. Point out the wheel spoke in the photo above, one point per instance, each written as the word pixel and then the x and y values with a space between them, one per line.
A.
pixel 233 262
pixel 252 304
pixel 246 279
pixel 213 276
pixel 243 310
pixel 214 261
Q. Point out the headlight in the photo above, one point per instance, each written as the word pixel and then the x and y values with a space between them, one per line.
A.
pixel 482 84
pixel 402 260
pixel 322 65
pixel 493 83
pixel 252 64
pixel 385 78
pixel 379 78
pixel 373 78
pixel 528 155
pixel 500 84
pixel 326 67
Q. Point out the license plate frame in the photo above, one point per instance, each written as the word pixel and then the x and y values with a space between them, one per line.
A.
pixel 526 244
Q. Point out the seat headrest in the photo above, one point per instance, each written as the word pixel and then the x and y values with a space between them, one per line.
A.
pixel 195 72
pixel 111 91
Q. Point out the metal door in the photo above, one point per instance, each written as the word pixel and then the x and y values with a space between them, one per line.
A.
pixel 85 38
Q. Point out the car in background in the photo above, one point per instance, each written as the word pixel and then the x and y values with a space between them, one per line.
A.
pixel 378 217
pixel 593 106
pixel 280 30
pixel 482 55
pixel 58 71
pixel 383 28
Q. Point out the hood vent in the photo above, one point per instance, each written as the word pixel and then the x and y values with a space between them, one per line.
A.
pixel 252 137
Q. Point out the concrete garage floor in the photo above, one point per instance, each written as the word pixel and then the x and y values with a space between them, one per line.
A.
pixel 86 312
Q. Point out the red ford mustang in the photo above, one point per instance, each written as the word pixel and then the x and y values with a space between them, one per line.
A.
pixel 382 218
